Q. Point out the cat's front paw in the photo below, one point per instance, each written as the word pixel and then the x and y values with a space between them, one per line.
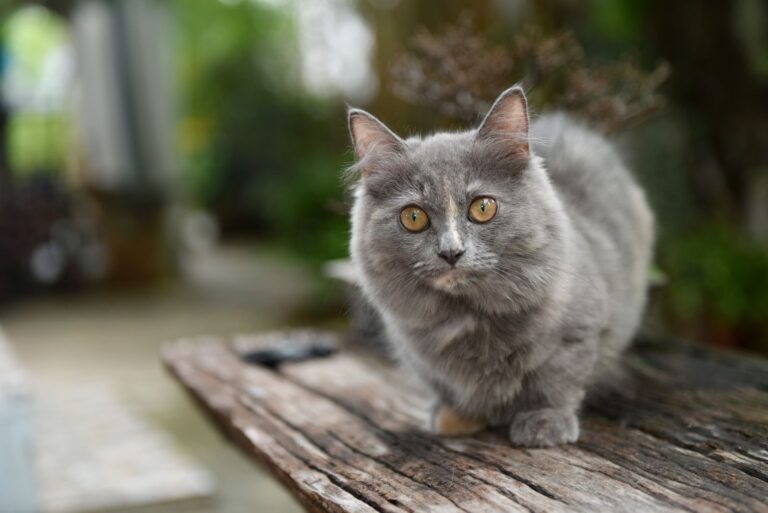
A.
pixel 544 428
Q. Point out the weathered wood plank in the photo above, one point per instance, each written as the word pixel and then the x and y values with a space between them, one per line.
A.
pixel 537 470
pixel 276 448
pixel 346 433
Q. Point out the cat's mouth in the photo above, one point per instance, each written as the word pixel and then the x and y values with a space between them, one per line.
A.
pixel 451 281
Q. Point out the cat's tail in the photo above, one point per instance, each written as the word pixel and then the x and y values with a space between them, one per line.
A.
pixel 366 326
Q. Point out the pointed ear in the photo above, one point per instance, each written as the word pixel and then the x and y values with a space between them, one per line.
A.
pixel 370 135
pixel 507 121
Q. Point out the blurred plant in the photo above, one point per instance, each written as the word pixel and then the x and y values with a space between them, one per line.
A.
pixel 257 151
pixel 720 287
pixel 458 72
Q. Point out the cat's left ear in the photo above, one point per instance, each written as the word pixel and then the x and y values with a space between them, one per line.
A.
pixel 507 122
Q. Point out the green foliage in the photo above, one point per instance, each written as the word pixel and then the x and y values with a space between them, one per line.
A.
pixel 30 34
pixel 619 21
pixel 38 142
pixel 719 279
pixel 257 150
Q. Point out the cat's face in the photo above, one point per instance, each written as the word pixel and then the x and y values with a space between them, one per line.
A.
pixel 463 214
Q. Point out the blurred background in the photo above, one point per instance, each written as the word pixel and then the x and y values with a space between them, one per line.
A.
pixel 172 168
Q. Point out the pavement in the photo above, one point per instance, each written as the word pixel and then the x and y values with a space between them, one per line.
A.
pixel 112 338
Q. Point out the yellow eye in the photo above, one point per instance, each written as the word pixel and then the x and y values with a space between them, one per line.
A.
pixel 482 209
pixel 414 219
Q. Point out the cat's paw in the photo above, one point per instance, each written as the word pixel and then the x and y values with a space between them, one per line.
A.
pixel 446 422
pixel 544 428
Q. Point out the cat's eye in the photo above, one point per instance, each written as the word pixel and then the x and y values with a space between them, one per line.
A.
pixel 414 219
pixel 482 209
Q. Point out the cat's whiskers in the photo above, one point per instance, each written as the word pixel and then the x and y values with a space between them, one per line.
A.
pixel 551 272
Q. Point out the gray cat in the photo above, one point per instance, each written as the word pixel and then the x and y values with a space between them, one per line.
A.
pixel 508 266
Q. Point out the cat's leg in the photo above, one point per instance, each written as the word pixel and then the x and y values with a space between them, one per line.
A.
pixel 447 422
pixel 547 406
pixel 544 427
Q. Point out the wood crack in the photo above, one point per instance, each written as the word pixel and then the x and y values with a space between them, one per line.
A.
pixel 658 480
pixel 398 471
pixel 430 441
pixel 659 435
pixel 639 486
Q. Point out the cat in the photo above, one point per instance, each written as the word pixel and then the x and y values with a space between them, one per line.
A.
pixel 507 264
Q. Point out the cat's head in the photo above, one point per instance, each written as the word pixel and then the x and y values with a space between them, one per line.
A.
pixel 465 215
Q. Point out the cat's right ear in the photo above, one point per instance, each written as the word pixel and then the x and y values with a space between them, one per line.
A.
pixel 369 135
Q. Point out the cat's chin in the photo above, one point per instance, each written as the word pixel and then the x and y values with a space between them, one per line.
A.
pixel 453 281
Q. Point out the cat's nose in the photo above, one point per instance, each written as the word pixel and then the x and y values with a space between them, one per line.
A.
pixel 451 255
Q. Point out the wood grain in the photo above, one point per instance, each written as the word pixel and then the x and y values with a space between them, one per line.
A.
pixel 685 430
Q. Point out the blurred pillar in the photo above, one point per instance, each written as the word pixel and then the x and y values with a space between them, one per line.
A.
pixel 126 112
pixel 18 483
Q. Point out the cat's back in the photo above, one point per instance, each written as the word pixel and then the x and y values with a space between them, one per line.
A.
pixel 610 215
pixel 591 179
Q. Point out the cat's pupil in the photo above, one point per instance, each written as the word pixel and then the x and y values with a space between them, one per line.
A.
pixel 482 206
pixel 414 215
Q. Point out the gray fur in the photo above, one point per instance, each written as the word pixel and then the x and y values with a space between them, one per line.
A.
pixel 548 292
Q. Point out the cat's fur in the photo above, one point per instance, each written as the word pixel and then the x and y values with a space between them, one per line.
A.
pixel 546 294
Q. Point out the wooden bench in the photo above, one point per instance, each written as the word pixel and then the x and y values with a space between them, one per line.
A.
pixel 687 432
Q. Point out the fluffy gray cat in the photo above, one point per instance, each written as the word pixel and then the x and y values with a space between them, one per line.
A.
pixel 508 266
